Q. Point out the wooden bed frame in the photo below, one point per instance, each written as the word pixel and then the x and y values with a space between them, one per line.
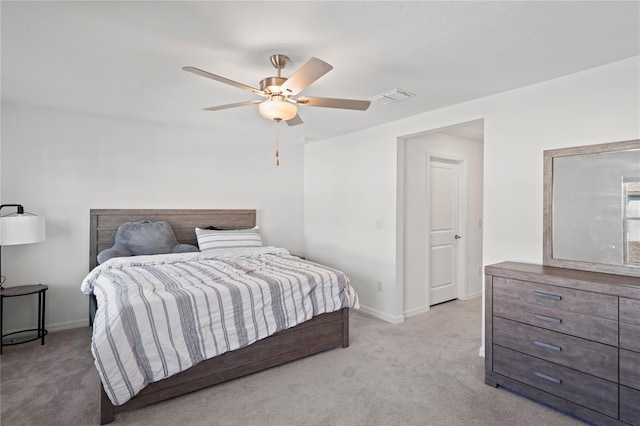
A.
pixel 321 333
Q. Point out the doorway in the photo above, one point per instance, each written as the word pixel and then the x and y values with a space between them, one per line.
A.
pixel 423 246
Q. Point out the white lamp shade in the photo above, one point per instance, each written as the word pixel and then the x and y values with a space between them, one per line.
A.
pixel 21 229
pixel 277 110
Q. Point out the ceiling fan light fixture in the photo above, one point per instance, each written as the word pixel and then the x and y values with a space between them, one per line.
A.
pixel 276 109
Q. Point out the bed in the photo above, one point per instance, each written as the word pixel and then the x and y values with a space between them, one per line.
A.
pixel 320 333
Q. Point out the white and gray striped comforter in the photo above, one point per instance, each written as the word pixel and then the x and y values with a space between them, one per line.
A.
pixel 159 315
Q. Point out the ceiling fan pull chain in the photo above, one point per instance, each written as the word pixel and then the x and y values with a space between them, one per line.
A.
pixel 277 143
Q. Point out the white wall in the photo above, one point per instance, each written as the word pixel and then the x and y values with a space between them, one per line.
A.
pixel 415 214
pixel 61 164
pixel 350 214
pixel 350 181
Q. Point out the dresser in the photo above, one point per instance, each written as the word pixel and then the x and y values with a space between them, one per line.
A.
pixel 567 338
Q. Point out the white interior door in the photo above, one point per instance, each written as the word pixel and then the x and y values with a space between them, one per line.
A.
pixel 443 227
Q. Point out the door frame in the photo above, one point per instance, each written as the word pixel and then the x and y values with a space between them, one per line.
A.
pixel 461 255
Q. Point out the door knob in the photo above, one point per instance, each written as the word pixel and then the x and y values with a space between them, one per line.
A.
pixel 457 237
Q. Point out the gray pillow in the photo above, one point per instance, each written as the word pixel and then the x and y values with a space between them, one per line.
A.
pixel 144 237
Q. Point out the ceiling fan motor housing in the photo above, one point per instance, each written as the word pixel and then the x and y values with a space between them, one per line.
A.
pixel 271 85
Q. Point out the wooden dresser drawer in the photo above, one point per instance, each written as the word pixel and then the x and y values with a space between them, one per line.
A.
pixel 630 337
pixel 585 302
pixel 630 368
pixel 630 311
pixel 589 327
pixel 588 391
pixel 629 405
pixel 580 354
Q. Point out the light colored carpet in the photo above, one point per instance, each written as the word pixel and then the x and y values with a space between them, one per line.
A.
pixel 425 371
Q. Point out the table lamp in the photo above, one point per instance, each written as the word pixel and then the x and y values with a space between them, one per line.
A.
pixel 19 227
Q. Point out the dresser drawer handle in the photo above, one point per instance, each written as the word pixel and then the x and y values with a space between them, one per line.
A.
pixel 548 319
pixel 549 378
pixel 547 345
pixel 547 296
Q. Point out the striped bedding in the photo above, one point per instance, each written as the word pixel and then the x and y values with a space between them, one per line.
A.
pixel 159 315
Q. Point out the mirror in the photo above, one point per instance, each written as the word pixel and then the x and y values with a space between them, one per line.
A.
pixel 631 217
pixel 592 208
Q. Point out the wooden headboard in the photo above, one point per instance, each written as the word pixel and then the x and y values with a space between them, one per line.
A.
pixel 104 224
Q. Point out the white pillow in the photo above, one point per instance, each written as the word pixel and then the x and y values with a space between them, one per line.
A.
pixel 213 239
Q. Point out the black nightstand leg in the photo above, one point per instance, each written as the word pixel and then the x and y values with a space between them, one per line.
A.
pixel 41 316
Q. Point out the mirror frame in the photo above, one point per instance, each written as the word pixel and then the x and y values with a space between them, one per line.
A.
pixel 548 259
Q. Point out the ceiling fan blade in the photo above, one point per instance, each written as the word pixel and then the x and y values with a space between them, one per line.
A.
pixel 237 104
pixel 312 70
pixel 295 121
pixel 334 103
pixel 206 74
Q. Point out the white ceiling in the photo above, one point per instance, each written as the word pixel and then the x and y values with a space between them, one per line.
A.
pixel 124 59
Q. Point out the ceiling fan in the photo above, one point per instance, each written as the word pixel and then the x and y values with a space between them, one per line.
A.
pixel 280 103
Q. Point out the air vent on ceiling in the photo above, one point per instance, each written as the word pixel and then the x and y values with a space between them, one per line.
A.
pixel 392 96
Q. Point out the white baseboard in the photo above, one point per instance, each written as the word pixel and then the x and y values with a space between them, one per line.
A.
pixel 474 295
pixel 416 311
pixel 382 315
pixel 68 325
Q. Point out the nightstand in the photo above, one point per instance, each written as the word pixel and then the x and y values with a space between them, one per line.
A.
pixel 24 336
